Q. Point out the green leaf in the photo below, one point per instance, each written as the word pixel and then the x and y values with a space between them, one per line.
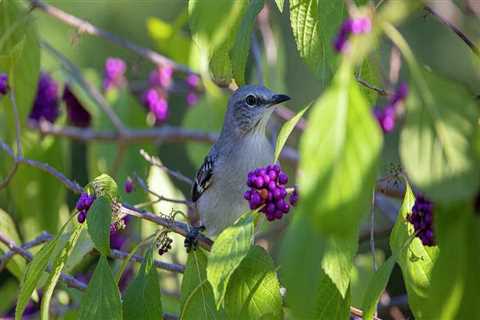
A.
pixel 197 299
pixel 142 299
pixel 280 4
pixel 99 218
pixel 16 265
pixel 311 294
pixel 105 186
pixel 23 44
pixel 35 269
pixel 214 25
pixel 241 47
pixel 376 287
pixel 314 25
pixel 286 130
pixel 417 261
pixel 453 293
pixel 339 154
pixel 58 265
pixel 435 144
pixel 254 290
pixel 102 299
pixel 228 251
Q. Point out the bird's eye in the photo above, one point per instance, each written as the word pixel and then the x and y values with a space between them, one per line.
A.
pixel 251 100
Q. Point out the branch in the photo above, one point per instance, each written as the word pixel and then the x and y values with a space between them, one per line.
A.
pixel 69 280
pixel 455 29
pixel 42 238
pixel 162 134
pixel 84 26
pixel 154 161
pixel 174 267
pixel 367 85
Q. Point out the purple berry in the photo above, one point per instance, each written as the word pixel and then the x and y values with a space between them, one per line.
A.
pixel 294 197
pixel 129 186
pixel 192 80
pixel 276 168
pixel 421 218
pixel 45 106
pixel 77 115
pixel 3 84
pixel 247 195
pixel 82 215
pixel 114 73
pixel 282 178
pixel 272 186
pixel 259 182
pixel 192 98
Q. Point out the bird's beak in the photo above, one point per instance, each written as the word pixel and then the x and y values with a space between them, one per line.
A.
pixel 278 98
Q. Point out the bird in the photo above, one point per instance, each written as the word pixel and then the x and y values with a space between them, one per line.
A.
pixel 219 184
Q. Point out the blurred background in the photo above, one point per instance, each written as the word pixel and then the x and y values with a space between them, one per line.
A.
pixel 37 202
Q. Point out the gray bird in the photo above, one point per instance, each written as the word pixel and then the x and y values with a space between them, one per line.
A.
pixel 242 146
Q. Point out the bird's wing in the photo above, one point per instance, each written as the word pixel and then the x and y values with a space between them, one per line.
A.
pixel 203 179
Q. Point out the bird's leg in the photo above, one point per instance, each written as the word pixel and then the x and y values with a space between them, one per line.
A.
pixel 191 239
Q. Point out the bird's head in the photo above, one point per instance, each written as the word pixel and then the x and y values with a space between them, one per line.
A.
pixel 250 107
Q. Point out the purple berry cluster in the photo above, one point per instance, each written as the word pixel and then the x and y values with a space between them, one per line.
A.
pixel 77 115
pixel 83 205
pixel 193 82
pixel 422 220
pixel 117 237
pixel 3 84
pixel 114 73
pixel 387 115
pixel 351 26
pixel 155 97
pixel 267 189
pixel 45 106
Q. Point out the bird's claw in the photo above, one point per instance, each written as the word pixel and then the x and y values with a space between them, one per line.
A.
pixel 191 239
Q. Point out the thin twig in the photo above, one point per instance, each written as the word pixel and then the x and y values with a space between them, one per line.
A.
pixel 117 254
pixel 367 85
pixel 42 238
pixel 84 26
pixel 154 161
pixel 159 197
pixel 455 29
pixel 372 231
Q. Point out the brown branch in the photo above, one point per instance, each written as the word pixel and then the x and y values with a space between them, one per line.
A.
pixel 455 29
pixel 84 26
pixel 367 85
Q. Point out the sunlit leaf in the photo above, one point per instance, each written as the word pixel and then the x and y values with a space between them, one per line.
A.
pixel 228 251
pixel 16 265
pixel 254 290
pixel 241 48
pixel 416 261
pixel 286 130
pixel 435 145
pixel 314 25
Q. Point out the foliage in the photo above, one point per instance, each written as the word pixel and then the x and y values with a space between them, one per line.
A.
pixel 302 267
